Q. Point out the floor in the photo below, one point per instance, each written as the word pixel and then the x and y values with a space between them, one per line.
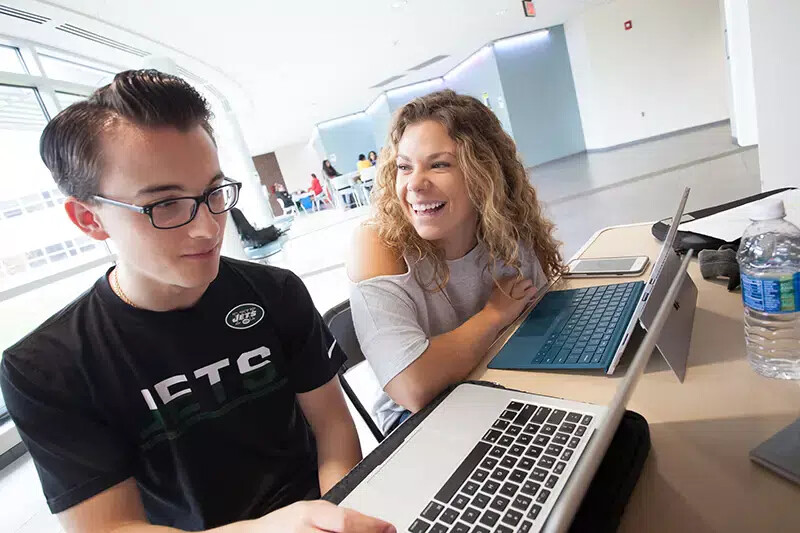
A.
pixel 582 194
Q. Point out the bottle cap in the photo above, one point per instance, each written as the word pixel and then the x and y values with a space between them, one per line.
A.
pixel 768 209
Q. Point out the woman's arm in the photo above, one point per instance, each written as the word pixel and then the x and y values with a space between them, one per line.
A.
pixel 449 357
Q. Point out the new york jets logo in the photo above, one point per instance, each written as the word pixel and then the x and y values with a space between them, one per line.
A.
pixel 244 316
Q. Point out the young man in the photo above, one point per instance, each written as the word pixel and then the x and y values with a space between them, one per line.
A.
pixel 182 389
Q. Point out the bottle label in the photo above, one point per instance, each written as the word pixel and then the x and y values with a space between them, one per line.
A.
pixel 772 295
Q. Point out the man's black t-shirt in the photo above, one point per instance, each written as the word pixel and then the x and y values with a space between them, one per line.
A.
pixel 197 405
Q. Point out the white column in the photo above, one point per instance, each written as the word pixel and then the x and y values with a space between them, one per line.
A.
pixel 740 70
pixel 231 242
pixel 775 43
pixel 258 208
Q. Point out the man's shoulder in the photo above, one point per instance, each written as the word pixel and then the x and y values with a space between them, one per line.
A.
pixel 264 278
pixel 53 345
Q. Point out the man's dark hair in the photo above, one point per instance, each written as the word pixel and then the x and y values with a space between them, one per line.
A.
pixel 70 143
pixel 361 157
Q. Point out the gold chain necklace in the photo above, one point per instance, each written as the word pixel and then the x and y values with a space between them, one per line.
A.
pixel 118 290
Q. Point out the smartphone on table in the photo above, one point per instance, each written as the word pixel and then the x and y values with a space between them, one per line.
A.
pixel 608 266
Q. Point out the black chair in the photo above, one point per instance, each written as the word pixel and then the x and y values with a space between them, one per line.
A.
pixel 340 322
pixel 252 237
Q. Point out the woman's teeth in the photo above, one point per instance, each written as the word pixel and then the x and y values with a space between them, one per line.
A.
pixel 421 208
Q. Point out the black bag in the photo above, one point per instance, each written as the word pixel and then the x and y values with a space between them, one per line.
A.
pixel 686 240
pixel 605 499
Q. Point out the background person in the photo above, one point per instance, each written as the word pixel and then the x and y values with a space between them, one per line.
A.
pixel 328 169
pixel 316 186
pixel 283 196
pixel 363 162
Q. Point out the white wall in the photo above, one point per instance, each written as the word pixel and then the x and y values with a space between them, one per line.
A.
pixel 297 162
pixel 740 66
pixel 776 67
pixel 670 66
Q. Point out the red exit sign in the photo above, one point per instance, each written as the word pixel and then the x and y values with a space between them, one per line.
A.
pixel 529 8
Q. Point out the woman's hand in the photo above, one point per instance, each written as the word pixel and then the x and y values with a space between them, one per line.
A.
pixel 509 298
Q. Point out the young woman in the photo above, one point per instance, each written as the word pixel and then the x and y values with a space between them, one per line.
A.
pixel 373 157
pixel 328 169
pixel 456 249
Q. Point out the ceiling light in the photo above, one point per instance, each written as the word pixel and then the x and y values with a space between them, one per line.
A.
pixel 525 38
pixel 414 87
pixel 340 120
pixel 375 103
pixel 501 12
pixel 461 67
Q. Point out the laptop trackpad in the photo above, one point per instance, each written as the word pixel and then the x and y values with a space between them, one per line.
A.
pixel 539 322
pixel 417 470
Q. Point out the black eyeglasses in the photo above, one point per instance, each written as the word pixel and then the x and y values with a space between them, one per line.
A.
pixel 177 212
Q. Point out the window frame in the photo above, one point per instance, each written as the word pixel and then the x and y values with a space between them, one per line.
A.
pixel 45 90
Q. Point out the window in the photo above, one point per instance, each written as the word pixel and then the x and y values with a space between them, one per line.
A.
pixel 11 61
pixel 75 70
pixel 37 238
pixel 67 99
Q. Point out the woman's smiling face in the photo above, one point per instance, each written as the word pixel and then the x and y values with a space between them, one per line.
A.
pixel 430 184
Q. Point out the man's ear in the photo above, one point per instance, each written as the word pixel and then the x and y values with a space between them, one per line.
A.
pixel 84 216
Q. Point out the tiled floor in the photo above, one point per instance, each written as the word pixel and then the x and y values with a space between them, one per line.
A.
pixel 582 194
pixel 22 505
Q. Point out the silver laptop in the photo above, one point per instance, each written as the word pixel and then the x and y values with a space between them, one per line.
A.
pixel 494 460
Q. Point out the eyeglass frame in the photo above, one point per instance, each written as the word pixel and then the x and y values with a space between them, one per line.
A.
pixel 202 199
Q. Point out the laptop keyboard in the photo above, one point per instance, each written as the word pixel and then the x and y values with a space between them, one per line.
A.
pixel 505 482
pixel 585 335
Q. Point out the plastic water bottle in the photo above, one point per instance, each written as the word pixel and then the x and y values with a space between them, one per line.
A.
pixel 769 262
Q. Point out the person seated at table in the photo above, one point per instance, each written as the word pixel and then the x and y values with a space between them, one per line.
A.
pixel 373 157
pixel 184 390
pixel 328 169
pixel 363 162
pixel 457 248
pixel 316 186
pixel 282 195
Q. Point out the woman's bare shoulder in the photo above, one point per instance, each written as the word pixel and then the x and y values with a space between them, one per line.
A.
pixel 370 257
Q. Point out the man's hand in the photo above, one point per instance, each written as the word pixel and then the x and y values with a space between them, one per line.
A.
pixel 318 517
pixel 119 510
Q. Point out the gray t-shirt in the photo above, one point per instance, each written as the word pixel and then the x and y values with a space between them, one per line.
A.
pixel 395 317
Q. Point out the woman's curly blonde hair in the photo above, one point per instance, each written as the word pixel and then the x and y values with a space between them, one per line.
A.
pixel 509 214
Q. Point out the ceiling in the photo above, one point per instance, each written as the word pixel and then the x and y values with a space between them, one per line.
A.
pixel 286 65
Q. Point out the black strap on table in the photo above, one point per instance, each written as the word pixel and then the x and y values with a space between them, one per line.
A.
pixel 608 493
